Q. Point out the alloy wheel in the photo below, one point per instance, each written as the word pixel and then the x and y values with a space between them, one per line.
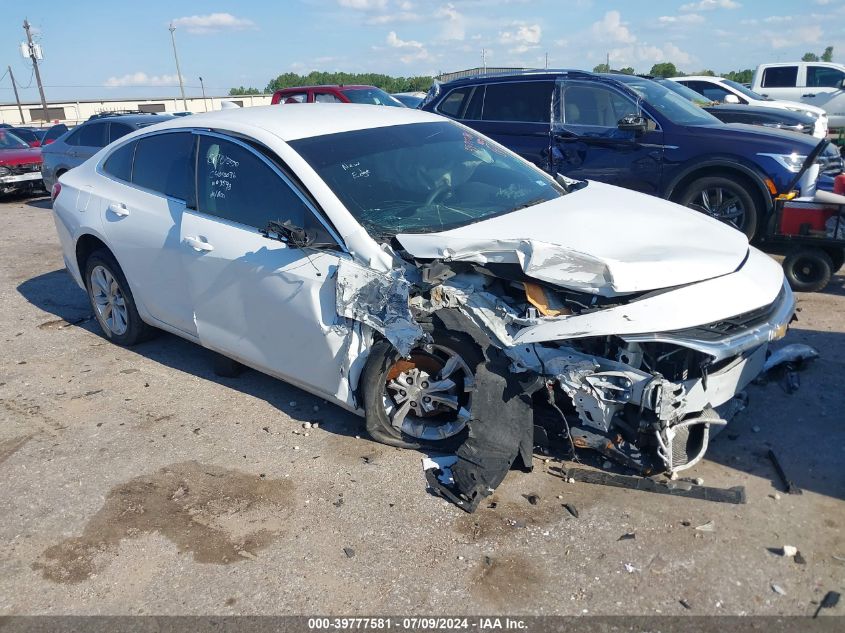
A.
pixel 722 204
pixel 109 301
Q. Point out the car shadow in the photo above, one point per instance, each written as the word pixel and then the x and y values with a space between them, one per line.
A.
pixel 40 203
pixel 56 293
pixel 804 428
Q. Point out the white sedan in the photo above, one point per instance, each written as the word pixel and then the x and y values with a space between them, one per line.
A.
pixel 409 269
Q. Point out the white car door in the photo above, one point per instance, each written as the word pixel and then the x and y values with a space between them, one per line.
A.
pixel 824 89
pixel 256 299
pixel 147 184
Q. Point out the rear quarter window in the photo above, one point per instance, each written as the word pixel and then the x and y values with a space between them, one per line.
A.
pixel 163 163
pixel 119 163
pixel 780 77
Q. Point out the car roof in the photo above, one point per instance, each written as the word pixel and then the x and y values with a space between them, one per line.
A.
pixel 305 120
pixel 699 78
pixel 134 119
pixel 524 75
pixel 330 87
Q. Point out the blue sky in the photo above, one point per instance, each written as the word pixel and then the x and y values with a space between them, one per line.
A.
pixel 95 49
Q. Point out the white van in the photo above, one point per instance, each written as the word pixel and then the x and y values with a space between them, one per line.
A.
pixel 820 84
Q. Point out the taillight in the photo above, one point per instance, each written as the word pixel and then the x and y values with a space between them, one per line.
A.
pixel 57 189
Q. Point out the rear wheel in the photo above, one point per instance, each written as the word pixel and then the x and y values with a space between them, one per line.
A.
pixel 725 199
pixel 423 401
pixel 112 301
pixel 808 269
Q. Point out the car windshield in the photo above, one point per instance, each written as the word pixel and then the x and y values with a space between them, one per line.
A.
pixel 673 106
pixel 372 96
pixel 686 93
pixel 423 177
pixel 11 141
pixel 748 93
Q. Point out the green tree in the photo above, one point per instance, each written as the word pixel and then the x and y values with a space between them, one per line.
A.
pixel 243 91
pixel 706 73
pixel 740 76
pixel 317 78
pixel 810 57
pixel 827 56
pixel 665 69
pixel 601 68
pixel 627 70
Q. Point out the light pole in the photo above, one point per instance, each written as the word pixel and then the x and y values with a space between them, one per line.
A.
pixel 178 71
pixel 204 105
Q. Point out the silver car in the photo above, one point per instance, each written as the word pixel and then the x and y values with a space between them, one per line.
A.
pixel 82 142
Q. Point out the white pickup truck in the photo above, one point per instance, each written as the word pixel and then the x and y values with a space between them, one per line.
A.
pixel 820 84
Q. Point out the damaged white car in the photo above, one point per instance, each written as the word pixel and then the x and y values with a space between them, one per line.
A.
pixel 411 270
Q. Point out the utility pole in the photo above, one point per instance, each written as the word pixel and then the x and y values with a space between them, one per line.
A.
pixel 17 98
pixel 34 59
pixel 484 61
pixel 608 62
pixel 547 59
pixel 178 71
pixel 204 105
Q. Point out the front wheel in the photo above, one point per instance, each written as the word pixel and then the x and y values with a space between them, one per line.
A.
pixel 423 401
pixel 725 199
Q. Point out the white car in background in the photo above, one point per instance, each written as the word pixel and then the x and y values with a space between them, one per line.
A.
pixel 409 269
pixel 721 90
pixel 820 84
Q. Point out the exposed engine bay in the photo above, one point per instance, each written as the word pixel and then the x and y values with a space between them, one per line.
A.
pixel 646 401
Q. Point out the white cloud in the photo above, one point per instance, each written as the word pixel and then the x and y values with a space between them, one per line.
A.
pixel 689 18
pixel 142 79
pixel 414 51
pixel 391 18
pixel 610 27
pixel 809 34
pixel 363 5
pixel 213 23
pixel 454 27
pixel 648 54
pixel 710 5
pixel 523 38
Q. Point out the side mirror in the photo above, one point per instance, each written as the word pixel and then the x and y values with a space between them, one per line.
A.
pixel 287 232
pixel 633 123
pixel 731 99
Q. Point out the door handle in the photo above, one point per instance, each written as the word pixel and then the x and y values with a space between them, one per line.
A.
pixel 119 209
pixel 809 94
pixel 198 245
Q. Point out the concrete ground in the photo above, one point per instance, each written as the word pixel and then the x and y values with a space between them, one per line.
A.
pixel 136 481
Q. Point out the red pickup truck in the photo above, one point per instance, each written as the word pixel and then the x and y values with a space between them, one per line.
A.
pixel 20 164
pixel 335 94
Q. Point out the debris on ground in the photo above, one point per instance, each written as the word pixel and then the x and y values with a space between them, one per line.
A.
pixel 786 362
pixel 706 527
pixel 778 590
pixel 790 487
pixel 830 600
pixel 631 569
pixel 628 536
pixel 571 509
pixel 533 499
pixel 789 551
pixel 349 552
pixel 799 559
pixel 684 603
pixel 677 488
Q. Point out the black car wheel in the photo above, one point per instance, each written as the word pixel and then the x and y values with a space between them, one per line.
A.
pixel 725 199
pixel 808 269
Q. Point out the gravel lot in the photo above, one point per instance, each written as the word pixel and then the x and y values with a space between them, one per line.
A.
pixel 136 481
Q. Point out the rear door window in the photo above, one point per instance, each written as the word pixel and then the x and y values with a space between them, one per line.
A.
pixel 325 97
pixel 294 97
pixel 453 104
pixel 236 184
pixel 824 77
pixel 93 135
pixel 163 163
pixel 780 77
pixel 524 101
pixel 117 130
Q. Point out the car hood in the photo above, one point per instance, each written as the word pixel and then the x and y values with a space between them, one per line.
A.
pixel 23 156
pixel 599 239
pixel 755 138
pixel 796 105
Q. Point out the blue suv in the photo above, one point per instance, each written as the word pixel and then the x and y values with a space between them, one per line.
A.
pixel 632 132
